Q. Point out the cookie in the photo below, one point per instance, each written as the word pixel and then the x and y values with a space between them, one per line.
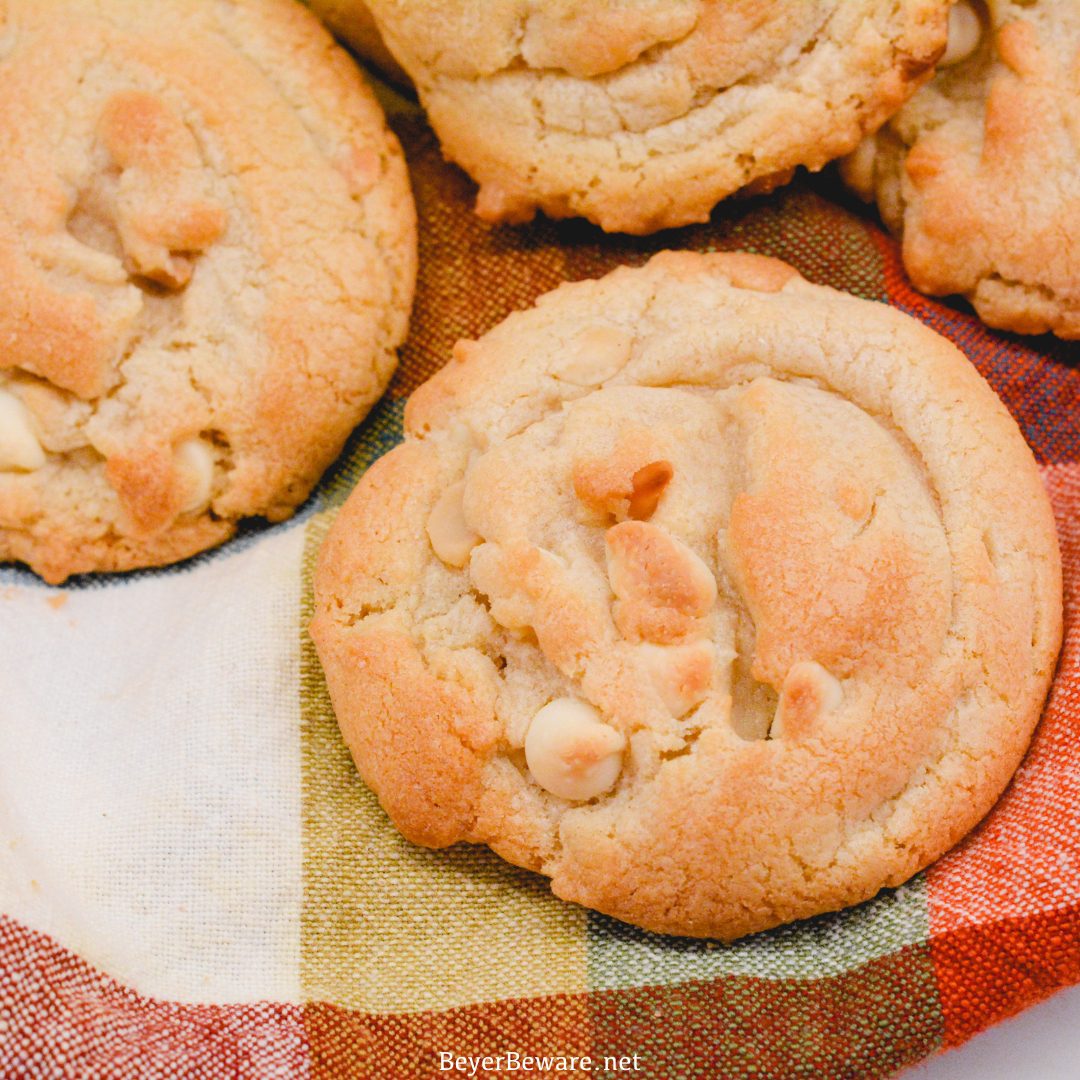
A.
pixel 207 245
pixel 720 598
pixel 643 114
pixel 980 172
pixel 355 25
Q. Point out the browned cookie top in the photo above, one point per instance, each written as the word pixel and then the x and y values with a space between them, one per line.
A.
pixel 980 171
pixel 721 598
pixel 207 248
pixel 642 114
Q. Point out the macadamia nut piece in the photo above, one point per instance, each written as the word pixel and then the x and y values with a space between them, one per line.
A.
pixel 451 538
pixel 20 450
pixel 195 464
pixel 594 356
pixel 965 30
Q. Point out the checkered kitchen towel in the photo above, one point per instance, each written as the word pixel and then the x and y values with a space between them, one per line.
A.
pixel 195 883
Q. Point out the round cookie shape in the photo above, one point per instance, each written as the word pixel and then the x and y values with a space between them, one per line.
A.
pixel 979 173
pixel 643 114
pixel 207 244
pixel 798 671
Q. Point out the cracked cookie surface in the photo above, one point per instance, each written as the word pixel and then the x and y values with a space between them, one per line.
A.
pixel 720 598
pixel 643 114
pixel 207 245
pixel 980 172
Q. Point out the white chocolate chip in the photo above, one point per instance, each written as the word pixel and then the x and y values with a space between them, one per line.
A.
pixel 451 538
pixel 20 448
pixel 195 465
pixel 681 674
pixel 571 752
pixel 594 356
pixel 809 693
pixel 965 30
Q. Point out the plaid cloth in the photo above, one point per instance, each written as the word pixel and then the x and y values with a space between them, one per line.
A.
pixel 194 882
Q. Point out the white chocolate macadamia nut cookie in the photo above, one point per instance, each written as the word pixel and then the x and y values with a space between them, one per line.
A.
pixel 979 174
pixel 736 615
pixel 207 259
pixel 643 114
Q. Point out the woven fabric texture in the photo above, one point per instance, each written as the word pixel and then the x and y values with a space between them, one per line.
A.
pixel 385 958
